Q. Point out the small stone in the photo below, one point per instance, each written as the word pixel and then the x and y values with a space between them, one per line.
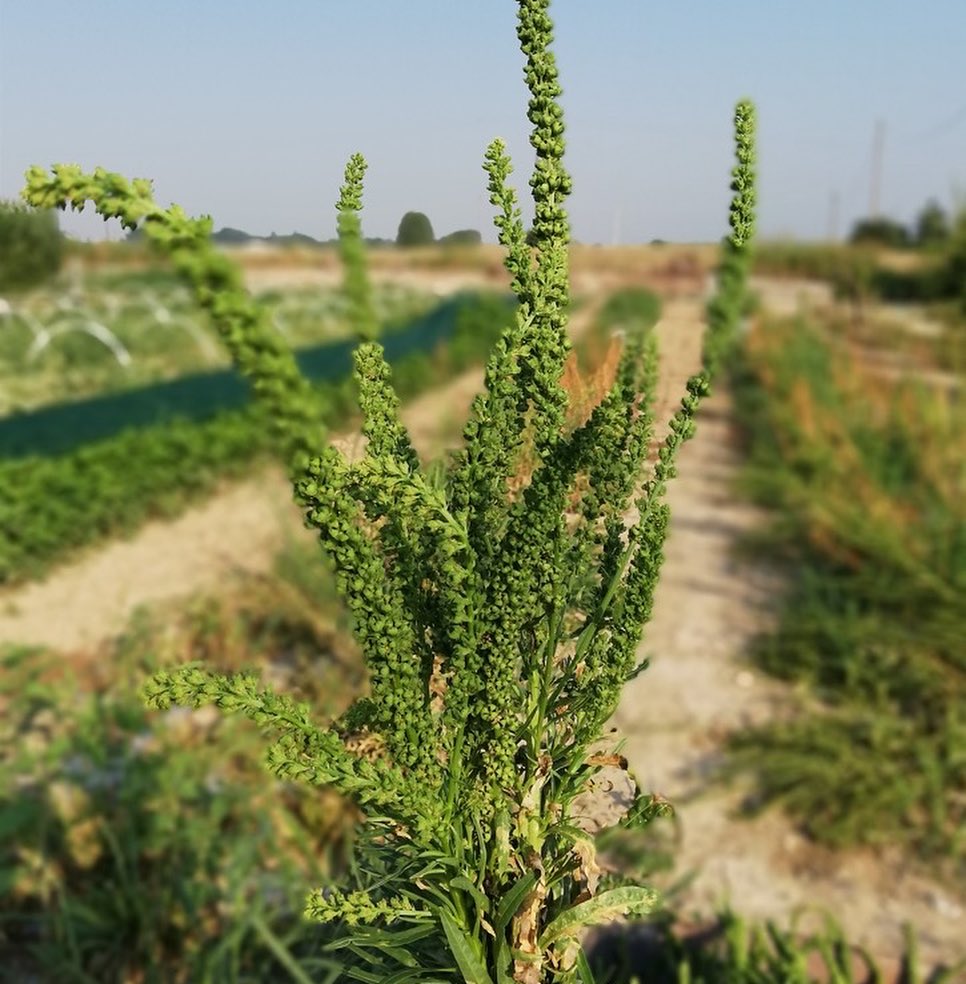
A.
pixel 745 680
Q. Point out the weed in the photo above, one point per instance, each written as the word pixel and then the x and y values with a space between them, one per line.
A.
pixel 497 629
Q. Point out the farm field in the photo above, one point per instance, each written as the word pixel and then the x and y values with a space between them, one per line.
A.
pixel 104 333
pixel 765 866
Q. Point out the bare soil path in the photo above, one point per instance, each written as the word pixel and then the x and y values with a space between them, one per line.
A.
pixel 674 716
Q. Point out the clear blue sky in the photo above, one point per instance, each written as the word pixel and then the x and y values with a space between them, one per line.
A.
pixel 248 110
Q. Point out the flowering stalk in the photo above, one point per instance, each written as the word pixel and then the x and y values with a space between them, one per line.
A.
pixel 498 626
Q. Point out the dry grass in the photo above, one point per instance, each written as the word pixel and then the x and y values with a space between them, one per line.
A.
pixel 585 387
pixel 669 268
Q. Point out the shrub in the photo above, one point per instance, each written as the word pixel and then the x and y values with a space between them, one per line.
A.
pixel 932 225
pixel 498 625
pixel 880 231
pixel 630 305
pixel 462 237
pixel 952 275
pixel 31 246
pixel 415 229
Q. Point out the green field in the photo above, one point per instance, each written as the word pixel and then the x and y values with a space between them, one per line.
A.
pixel 105 333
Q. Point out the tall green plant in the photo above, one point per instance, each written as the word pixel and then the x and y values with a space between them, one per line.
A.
pixel 498 625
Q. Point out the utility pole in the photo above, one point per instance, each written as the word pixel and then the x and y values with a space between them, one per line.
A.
pixel 875 183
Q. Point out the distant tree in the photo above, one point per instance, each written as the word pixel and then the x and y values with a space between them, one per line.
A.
pixel 415 229
pixel 879 232
pixel 230 236
pixel 462 237
pixel 31 245
pixel 932 225
pixel 952 273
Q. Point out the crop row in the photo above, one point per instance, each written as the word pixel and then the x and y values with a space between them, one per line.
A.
pixel 54 505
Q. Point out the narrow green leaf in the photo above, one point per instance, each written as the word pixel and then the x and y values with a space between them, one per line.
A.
pixel 384 937
pixel 510 902
pixel 464 952
pixel 462 882
pixel 584 972
pixel 279 950
pixel 367 977
pixel 415 977
pixel 631 900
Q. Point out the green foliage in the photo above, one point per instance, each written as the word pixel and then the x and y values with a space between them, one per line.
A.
pixel 497 624
pixel 881 231
pixel 31 246
pixel 952 276
pixel 848 268
pixel 53 506
pixel 631 305
pixel 415 229
pixel 462 237
pixel 865 477
pixel 932 225
pixel 147 846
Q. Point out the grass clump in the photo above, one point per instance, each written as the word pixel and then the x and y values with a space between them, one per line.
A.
pixel 146 846
pixel 864 472
pixel 497 624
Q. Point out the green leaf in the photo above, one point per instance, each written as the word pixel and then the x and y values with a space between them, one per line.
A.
pixel 464 952
pixel 631 900
pixel 510 903
pixel 378 938
pixel 462 882
pixel 414 977
pixel 281 952
pixel 16 817
pixel 584 972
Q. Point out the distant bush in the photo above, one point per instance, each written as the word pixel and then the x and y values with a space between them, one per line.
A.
pixel 633 305
pixel 415 229
pixel 462 237
pixel 880 231
pixel 31 246
pixel 951 279
pixel 932 225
